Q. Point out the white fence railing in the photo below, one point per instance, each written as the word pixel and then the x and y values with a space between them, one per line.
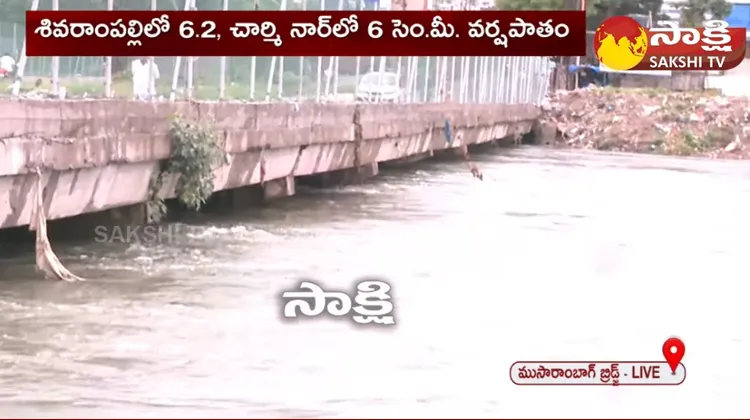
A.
pixel 420 79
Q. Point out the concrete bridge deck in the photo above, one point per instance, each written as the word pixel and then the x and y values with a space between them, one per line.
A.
pixel 101 154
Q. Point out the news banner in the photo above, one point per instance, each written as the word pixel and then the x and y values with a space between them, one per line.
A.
pixel 671 371
pixel 716 46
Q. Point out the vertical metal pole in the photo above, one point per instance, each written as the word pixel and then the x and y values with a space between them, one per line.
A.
pixel 253 71
pixel 475 81
pixel 22 59
pixel 426 93
pixel 541 70
pixel 15 40
pixel 492 80
pixel 582 7
pixel 414 79
pixel 436 83
pixel 500 82
pixel 521 79
pixel 302 66
pixel 462 75
pixel 269 85
pixel 329 75
pixel 372 58
pixel 399 63
pixel 337 61
pixel 108 65
pixel 530 61
pixel 519 72
pixel 480 83
pixel 511 79
pixel 223 62
pixel 505 93
pixel 357 64
pixel 151 75
pixel 177 65
pixel 407 89
pixel 190 62
pixel 253 62
pixel 320 63
pixel 281 60
pixel 55 59
pixel 453 79
pixel 517 79
pixel 444 80
pixel 358 60
pixel 467 81
pixel 486 86
pixel 533 79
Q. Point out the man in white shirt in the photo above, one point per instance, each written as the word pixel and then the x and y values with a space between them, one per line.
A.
pixel 7 65
pixel 144 78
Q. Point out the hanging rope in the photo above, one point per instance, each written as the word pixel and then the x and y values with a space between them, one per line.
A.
pixel 46 260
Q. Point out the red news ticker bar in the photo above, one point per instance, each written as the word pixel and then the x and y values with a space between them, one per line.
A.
pixel 316 33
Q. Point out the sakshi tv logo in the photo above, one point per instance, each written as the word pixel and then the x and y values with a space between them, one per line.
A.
pixel 622 44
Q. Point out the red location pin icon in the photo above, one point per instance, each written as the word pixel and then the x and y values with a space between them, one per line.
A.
pixel 673 350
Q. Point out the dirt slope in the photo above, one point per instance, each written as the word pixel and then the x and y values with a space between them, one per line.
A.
pixel 652 121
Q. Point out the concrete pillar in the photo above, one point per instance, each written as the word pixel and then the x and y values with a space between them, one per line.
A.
pixel 460 151
pixel 342 176
pixel 368 171
pixel 544 133
pixel 411 159
pixel 134 215
pixel 278 188
pixel 97 226
pixel 245 197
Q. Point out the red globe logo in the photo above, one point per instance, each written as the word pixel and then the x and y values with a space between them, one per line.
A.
pixel 620 43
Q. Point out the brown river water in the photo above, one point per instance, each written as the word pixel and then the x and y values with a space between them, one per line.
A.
pixel 557 255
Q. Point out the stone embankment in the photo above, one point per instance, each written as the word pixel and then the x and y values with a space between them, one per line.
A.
pixel 651 121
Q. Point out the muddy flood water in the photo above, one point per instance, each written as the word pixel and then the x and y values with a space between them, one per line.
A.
pixel 557 255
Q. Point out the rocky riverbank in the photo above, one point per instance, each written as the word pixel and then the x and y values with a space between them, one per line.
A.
pixel 651 121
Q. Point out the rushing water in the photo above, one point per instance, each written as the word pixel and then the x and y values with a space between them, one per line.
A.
pixel 555 256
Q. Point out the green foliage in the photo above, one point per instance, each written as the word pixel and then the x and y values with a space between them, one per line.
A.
pixel 196 152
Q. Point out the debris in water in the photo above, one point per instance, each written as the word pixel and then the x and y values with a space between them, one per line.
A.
pixel 46 260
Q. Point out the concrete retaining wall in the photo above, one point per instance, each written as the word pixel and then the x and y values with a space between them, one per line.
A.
pixel 100 154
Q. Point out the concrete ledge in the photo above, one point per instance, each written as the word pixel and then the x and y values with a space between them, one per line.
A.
pixel 62 135
pixel 99 155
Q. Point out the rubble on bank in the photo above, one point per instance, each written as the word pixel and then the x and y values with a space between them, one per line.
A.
pixel 651 121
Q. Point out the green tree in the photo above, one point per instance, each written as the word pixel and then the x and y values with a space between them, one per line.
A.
pixel 694 12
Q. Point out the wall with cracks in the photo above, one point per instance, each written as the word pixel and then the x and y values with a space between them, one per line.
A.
pixel 101 154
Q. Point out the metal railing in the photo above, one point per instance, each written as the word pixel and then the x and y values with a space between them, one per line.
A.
pixel 421 79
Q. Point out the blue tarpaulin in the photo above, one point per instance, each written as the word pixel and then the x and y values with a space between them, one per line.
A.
pixel 740 16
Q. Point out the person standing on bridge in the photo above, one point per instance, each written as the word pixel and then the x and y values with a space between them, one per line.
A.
pixel 7 65
pixel 144 78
